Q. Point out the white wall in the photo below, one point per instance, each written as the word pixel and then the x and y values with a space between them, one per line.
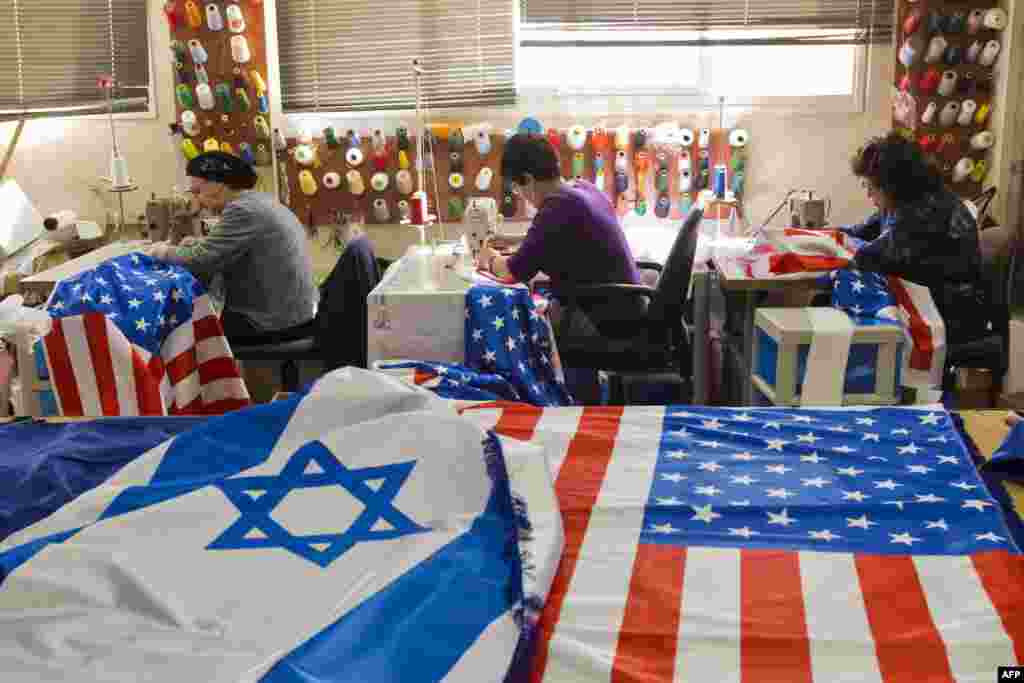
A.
pixel 58 162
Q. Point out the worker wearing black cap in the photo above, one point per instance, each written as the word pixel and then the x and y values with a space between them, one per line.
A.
pixel 260 249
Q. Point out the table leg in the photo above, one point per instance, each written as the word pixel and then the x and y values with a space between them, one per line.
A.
pixel 749 306
pixel 701 304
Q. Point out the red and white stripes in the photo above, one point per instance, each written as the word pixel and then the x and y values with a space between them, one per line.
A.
pixel 96 370
pixel 620 610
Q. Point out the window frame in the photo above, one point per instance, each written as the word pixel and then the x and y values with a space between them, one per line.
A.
pixel 702 100
pixel 539 100
pixel 152 110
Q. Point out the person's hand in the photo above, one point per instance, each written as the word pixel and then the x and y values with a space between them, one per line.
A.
pixel 486 255
pixel 157 250
pixel 188 241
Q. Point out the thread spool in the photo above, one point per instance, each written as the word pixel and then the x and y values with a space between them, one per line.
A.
pixel 967 110
pixel 973 52
pixel 995 19
pixel 332 180
pixel 949 113
pixel 61 219
pixel 119 172
pixel 910 51
pixel 929 113
pixel 962 169
pixel 989 53
pixel 983 140
pixel 936 47
pixel 975 20
pixel 418 208
pixel 738 138
pixel 947 86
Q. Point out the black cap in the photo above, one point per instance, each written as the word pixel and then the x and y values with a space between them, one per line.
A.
pixel 221 167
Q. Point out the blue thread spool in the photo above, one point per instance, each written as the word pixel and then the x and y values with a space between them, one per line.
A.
pixel 719 183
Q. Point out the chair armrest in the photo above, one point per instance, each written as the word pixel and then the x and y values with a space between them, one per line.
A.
pixel 605 290
pixel 648 265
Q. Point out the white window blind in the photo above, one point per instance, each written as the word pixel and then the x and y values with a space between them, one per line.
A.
pixel 356 55
pixel 718 22
pixel 52 52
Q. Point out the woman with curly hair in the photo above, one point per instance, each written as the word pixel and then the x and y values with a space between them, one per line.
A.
pixel 921 232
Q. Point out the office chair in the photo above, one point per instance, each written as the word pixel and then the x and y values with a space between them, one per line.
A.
pixel 340 329
pixel 655 345
pixel 998 247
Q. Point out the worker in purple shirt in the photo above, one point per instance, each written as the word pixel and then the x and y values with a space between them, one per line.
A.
pixel 575 238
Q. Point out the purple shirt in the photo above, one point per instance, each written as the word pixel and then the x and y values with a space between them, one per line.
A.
pixel 575 238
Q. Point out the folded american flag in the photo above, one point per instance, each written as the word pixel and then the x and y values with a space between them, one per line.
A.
pixel 134 336
pixel 870 296
pixel 770 545
pixel 798 253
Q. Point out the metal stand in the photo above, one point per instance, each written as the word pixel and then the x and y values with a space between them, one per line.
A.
pixel 422 227
pixel 120 191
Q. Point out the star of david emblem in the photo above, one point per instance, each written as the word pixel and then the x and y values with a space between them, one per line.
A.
pixel 256 497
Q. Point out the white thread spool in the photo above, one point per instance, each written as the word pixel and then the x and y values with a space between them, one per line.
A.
pixel 929 113
pixel 949 113
pixel 189 123
pixel 686 137
pixel 483 179
pixel 947 86
pixel 119 172
pixel 380 210
pixel 967 109
pixel 989 53
pixel 962 169
pixel 738 137
pixel 936 47
pixel 995 19
pixel 240 49
pixel 983 140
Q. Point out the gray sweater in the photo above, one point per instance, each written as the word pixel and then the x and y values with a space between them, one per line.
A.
pixel 260 249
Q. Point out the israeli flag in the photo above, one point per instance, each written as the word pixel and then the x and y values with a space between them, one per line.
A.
pixel 361 532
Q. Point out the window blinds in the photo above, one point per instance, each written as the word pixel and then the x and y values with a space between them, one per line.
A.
pixel 357 55
pixel 52 52
pixel 728 21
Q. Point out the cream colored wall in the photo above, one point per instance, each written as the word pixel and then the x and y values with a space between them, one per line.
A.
pixel 58 162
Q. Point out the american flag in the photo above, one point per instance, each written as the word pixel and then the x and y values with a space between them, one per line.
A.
pixel 871 296
pixel 770 545
pixel 509 353
pixel 799 253
pixel 506 333
pixel 134 336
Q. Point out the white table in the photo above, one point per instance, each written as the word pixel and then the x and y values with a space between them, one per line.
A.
pixel 418 314
pixel 408 319
pixel 44 282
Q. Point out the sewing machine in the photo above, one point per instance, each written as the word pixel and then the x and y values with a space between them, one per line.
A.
pixel 808 212
pixel 170 219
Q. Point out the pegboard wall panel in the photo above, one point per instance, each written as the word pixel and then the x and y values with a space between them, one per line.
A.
pixel 946 57
pixel 220 73
pixel 670 170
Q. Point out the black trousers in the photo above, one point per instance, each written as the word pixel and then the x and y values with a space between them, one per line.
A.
pixel 241 332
